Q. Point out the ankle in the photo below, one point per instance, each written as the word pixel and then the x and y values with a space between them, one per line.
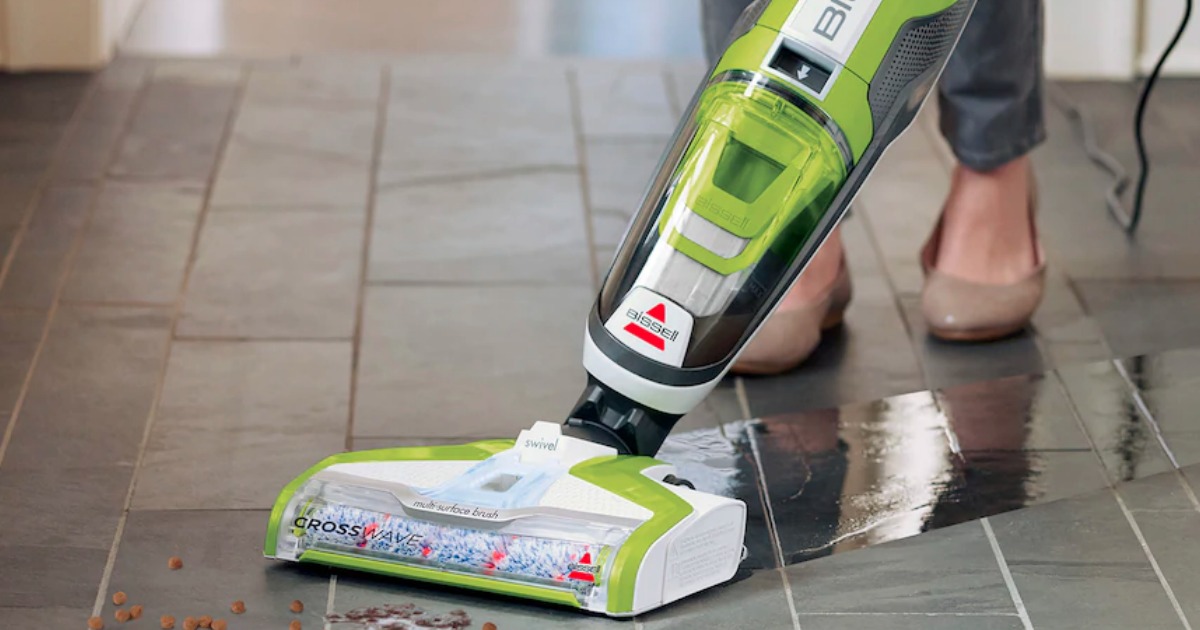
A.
pixel 820 275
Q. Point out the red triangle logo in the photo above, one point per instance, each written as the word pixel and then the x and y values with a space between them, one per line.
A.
pixel 659 312
pixel 586 559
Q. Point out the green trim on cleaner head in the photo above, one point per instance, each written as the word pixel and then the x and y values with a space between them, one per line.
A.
pixel 477 451
pixel 473 582
pixel 622 475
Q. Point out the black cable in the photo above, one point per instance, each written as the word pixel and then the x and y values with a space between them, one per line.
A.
pixel 1129 220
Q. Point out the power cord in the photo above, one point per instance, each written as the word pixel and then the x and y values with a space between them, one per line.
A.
pixel 1128 219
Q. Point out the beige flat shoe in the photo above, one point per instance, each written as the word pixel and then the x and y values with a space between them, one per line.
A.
pixel 790 337
pixel 960 310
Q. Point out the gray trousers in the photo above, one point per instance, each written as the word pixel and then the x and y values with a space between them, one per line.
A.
pixel 991 94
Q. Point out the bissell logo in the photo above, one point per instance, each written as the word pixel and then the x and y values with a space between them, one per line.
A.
pixel 651 326
pixel 584 570
pixel 833 18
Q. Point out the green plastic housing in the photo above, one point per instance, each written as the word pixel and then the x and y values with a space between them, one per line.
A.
pixel 761 169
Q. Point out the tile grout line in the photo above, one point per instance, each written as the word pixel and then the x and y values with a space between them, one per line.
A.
pixel 1022 612
pixel 331 599
pixel 360 308
pixel 65 272
pixel 193 254
pixel 44 182
pixel 1143 409
pixel 739 385
pixel 1162 579
pixel 575 98
pixel 1137 531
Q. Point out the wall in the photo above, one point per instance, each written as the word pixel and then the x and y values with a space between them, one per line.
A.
pixel 62 34
pixel 1091 38
pixel 1162 19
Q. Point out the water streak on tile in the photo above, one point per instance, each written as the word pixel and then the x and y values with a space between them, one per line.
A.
pixel 842 479
pixel 1125 441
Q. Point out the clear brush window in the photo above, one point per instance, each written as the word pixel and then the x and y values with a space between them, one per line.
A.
pixel 572 555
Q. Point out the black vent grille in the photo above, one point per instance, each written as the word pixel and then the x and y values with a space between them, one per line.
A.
pixel 922 45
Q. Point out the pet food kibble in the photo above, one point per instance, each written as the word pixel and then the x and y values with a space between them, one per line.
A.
pixel 297 606
pixel 119 598
pixel 205 621
pixel 219 624
pixel 135 611
pixel 166 622
pixel 238 607
pixel 175 563
pixel 189 623
pixel 295 625
pixel 121 615
pixel 95 623
pixel 489 626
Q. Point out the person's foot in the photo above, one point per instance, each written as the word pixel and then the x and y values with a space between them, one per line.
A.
pixel 985 273
pixel 815 303
pixel 987 230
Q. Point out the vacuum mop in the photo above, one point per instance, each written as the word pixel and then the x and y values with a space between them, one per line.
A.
pixel 773 148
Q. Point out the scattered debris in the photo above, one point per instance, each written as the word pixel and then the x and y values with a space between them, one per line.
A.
pixel 295 625
pixel 297 606
pixel 189 623
pixel 135 611
pixel 238 607
pixel 121 615
pixel 489 626
pixel 205 621
pixel 166 622
pixel 175 563
pixel 219 624
pixel 401 617
pixel 119 598
pixel 95 623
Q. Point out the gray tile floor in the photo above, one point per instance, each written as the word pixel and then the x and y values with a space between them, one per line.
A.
pixel 216 272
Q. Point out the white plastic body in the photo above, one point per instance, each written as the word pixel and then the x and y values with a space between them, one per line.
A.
pixel 664 398
pixel 701 551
